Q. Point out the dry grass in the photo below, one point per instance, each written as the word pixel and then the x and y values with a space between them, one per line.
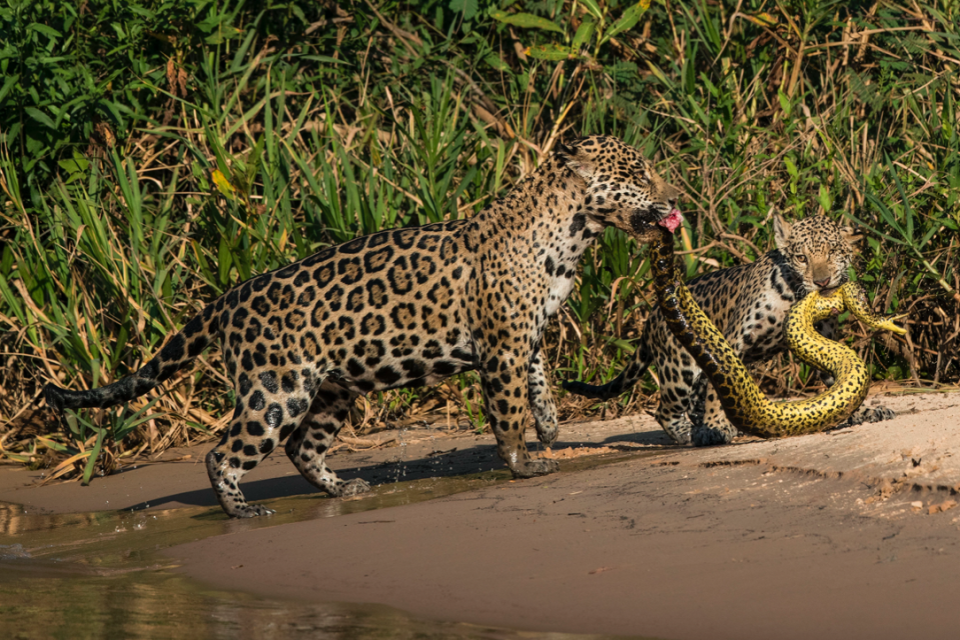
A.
pixel 234 156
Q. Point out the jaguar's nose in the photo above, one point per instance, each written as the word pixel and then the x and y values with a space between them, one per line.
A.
pixel 822 283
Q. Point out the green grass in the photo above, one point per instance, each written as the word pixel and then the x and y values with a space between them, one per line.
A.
pixel 154 154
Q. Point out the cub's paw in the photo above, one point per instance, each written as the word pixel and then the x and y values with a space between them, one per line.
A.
pixel 871 414
pixel 353 487
pixel 680 432
pixel 708 437
pixel 536 467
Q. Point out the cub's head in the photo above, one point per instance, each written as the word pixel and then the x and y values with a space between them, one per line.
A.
pixel 817 248
pixel 622 188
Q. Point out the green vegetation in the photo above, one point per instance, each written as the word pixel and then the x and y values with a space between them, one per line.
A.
pixel 155 153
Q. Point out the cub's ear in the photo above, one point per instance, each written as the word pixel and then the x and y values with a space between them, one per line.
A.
pixel 849 234
pixel 781 232
pixel 574 156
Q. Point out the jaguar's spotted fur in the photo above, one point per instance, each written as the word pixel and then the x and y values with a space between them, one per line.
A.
pixel 749 304
pixel 402 308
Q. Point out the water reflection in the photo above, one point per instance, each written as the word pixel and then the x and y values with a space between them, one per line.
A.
pixel 99 575
pixel 48 602
pixel 108 537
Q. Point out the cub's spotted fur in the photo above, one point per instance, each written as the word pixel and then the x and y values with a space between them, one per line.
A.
pixel 749 304
pixel 403 308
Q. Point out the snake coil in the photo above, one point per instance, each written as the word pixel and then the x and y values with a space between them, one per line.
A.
pixel 742 400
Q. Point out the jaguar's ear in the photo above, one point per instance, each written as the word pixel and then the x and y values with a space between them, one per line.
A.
pixel 574 155
pixel 781 232
pixel 565 150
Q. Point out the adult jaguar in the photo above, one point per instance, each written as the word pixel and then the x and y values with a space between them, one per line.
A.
pixel 402 308
pixel 748 304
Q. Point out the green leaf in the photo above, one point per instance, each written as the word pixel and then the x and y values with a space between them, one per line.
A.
pixel 584 33
pixel 70 166
pixel 824 198
pixel 40 117
pixel 7 85
pixel 628 20
pixel 526 20
pixel 81 163
pixel 467 7
pixel 887 216
pixel 297 11
pixel 142 11
pixel 324 59
pixel 92 459
pixel 44 29
pixel 551 52
pixel 791 168
pixel 907 209
pixel 225 258
pixel 784 102
pixel 253 165
pixel 593 8
pixel 496 62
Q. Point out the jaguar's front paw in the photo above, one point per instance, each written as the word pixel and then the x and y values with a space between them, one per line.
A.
pixel 548 435
pixel 353 487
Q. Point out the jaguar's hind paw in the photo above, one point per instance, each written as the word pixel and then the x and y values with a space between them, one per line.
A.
pixel 249 511
pixel 536 467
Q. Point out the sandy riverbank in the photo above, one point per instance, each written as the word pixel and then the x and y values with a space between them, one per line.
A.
pixel 817 536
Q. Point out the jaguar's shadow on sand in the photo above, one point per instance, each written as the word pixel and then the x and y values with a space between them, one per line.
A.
pixel 458 459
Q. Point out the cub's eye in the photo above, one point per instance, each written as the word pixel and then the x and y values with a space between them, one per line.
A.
pixel 802 259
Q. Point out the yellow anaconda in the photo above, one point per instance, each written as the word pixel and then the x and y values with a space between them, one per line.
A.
pixel 741 398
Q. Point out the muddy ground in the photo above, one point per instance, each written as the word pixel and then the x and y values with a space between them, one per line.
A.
pixel 847 534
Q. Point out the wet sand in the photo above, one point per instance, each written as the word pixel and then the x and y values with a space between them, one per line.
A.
pixel 848 534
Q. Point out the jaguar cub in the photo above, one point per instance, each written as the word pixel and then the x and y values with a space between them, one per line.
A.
pixel 749 304
pixel 407 307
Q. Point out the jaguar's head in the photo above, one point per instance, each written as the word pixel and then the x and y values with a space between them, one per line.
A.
pixel 622 188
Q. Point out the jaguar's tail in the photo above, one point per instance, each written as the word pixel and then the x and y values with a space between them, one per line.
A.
pixel 180 350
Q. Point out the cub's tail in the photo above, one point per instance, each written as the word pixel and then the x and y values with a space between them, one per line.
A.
pixel 622 383
pixel 180 350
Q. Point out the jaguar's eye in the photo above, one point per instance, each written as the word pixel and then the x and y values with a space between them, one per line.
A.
pixel 802 259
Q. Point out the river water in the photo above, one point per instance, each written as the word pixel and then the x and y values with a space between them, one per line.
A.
pixel 100 575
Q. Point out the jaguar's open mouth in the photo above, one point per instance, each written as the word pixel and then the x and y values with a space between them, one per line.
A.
pixel 672 220
pixel 644 222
